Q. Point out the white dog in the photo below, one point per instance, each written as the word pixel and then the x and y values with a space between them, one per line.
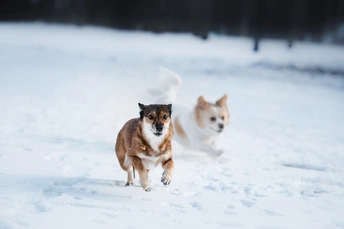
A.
pixel 195 127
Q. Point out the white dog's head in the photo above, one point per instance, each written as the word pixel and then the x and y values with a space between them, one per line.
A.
pixel 211 118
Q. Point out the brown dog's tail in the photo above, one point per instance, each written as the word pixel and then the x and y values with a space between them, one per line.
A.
pixel 133 171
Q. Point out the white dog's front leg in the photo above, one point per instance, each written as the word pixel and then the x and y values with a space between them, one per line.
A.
pixel 210 149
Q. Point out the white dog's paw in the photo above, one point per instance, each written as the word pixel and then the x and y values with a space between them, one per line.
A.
pixel 218 152
pixel 166 178
pixel 211 150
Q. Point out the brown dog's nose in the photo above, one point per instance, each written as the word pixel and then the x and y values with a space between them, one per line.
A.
pixel 158 127
pixel 221 125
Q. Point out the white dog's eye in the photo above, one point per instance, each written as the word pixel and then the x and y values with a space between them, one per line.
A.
pixel 150 117
pixel 223 117
pixel 213 119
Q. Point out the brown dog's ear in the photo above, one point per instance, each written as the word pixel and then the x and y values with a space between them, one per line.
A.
pixel 169 108
pixel 222 101
pixel 202 103
pixel 142 107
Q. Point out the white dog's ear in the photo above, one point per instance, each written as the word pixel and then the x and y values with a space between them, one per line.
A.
pixel 222 101
pixel 202 103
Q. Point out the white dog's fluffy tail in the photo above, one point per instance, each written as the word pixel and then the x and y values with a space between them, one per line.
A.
pixel 168 86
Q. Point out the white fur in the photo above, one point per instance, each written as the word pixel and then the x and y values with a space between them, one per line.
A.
pixel 127 161
pixel 169 85
pixel 152 161
pixel 197 138
pixel 213 129
pixel 154 141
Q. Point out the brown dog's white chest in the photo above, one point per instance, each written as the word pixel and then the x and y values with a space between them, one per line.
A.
pixel 152 161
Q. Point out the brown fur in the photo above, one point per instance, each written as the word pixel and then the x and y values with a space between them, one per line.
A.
pixel 134 149
pixel 223 112
pixel 202 105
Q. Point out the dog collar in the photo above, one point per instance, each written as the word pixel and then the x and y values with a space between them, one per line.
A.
pixel 144 148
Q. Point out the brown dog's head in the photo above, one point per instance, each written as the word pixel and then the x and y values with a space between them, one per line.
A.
pixel 211 118
pixel 156 118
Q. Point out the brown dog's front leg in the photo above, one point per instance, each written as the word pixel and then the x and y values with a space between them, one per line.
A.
pixel 139 166
pixel 167 174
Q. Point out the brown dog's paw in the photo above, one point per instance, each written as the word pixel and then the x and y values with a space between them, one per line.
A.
pixel 219 152
pixel 166 178
pixel 129 183
pixel 147 189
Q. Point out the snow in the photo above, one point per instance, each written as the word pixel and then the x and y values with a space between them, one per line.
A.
pixel 66 91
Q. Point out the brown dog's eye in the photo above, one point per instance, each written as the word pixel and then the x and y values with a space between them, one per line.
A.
pixel 164 117
pixel 150 117
pixel 223 117
pixel 213 119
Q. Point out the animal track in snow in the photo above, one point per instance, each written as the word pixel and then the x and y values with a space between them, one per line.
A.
pixel 247 203
pixel 101 222
pixel 50 192
pixel 271 213
pixel 109 215
pixel 230 210
pixel 196 205
pixel 307 167
pixel 210 187
pixel 179 207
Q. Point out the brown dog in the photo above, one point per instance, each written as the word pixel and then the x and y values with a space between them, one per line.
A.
pixel 145 142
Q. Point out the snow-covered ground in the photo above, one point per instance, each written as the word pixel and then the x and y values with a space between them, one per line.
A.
pixel 65 92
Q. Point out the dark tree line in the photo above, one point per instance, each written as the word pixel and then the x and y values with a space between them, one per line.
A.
pixel 287 19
